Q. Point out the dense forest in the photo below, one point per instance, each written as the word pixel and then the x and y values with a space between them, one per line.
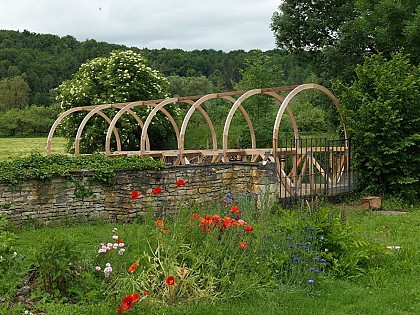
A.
pixel 33 65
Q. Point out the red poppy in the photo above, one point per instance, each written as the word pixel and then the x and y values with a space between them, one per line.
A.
pixel 120 310
pixel 235 209
pixel 156 190
pixel 243 245
pixel 135 296
pixel 134 194
pixel 145 293
pixel 164 230
pixel 133 267
pixel 195 215
pixel 170 280
pixel 127 302
pixel 182 271
pixel 180 182
pixel 118 240
pixel 248 228
pixel 159 222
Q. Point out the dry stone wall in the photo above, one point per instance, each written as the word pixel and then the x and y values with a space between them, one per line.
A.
pixel 84 199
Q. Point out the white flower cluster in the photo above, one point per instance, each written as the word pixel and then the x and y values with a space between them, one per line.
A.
pixel 107 269
pixel 118 244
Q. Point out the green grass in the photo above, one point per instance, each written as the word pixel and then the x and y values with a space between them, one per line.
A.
pixel 391 286
pixel 20 147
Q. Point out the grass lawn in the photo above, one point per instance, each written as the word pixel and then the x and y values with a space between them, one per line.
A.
pixel 19 147
pixel 390 287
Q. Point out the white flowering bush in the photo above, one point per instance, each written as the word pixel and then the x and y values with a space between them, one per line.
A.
pixel 121 77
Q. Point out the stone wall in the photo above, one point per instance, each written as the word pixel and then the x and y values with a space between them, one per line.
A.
pixel 61 199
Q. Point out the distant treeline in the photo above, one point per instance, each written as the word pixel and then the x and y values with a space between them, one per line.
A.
pixel 32 65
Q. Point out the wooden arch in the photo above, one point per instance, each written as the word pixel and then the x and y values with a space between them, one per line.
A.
pixel 285 105
pixel 197 105
pixel 98 110
pixel 143 140
pixel 238 104
pixel 73 110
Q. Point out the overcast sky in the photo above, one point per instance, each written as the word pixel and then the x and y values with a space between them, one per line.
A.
pixel 187 24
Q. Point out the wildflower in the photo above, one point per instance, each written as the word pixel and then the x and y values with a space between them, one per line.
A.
pixel 145 293
pixel 107 271
pixel 97 268
pixel 115 237
pixel 297 259
pixel 229 196
pixel 242 222
pixel 310 281
pixel 182 271
pixel 114 230
pixel 159 223
pixel 195 215
pixel 323 261
pixel 127 302
pixel 133 267
pixel 248 229
pixel 243 245
pixel 163 230
pixel 170 281
pixel 134 195
pixel 156 191
pixel 121 251
pixel 235 209
pixel 180 182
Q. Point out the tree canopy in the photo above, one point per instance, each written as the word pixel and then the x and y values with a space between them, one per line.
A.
pixel 335 35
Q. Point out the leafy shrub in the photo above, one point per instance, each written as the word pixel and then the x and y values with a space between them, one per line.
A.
pixel 121 77
pixel 56 261
pixel 381 110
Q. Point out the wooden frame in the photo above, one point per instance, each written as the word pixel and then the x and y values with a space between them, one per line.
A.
pixel 292 181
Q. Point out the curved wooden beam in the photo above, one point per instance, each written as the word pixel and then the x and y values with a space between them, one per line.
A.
pixel 238 104
pixel 98 110
pixel 288 99
pixel 123 110
pixel 153 114
pixel 57 122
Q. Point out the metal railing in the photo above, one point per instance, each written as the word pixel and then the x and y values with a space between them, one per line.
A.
pixel 311 167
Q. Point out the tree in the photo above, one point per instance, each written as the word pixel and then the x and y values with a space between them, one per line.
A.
pixel 382 108
pixel 260 71
pixel 123 76
pixel 185 86
pixel 335 35
pixel 14 93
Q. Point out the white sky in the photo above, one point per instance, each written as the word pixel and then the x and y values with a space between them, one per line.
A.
pixel 187 24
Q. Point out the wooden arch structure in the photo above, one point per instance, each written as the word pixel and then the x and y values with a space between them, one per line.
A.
pixel 291 162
